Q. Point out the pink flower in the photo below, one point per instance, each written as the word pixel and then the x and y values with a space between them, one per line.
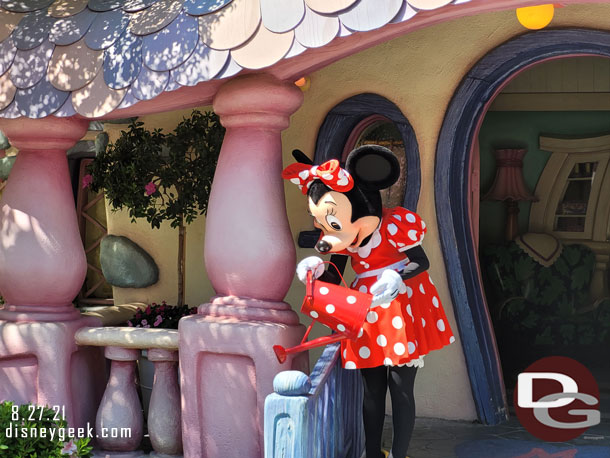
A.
pixel 145 324
pixel 150 188
pixel 158 320
pixel 87 180
pixel 130 324
pixel 148 310
pixel 69 448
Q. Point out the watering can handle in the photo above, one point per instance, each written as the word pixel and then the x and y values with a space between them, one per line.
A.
pixel 309 286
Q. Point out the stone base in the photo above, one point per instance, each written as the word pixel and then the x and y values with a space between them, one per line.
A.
pixel 40 363
pixel 134 454
pixel 227 366
pixel 163 455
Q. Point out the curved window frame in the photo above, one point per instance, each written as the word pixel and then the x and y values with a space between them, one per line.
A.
pixel 346 122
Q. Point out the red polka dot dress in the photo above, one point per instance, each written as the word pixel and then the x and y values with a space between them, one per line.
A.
pixel 412 325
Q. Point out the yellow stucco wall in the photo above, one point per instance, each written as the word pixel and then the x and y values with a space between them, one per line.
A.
pixel 418 72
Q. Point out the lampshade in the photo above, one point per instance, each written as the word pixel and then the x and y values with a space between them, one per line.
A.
pixel 509 184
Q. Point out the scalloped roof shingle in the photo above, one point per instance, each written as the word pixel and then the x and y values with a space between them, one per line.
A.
pixel 63 57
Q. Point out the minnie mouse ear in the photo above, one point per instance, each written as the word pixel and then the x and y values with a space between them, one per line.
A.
pixel 301 157
pixel 373 167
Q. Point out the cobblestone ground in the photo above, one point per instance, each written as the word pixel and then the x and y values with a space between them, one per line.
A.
pixel 434 438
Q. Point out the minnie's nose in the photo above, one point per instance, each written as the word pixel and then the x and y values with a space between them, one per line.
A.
pixel 323 246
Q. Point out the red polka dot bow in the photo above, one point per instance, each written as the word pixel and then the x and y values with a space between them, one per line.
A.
pixel 330 173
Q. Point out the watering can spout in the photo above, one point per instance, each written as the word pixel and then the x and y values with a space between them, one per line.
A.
pixel 280 353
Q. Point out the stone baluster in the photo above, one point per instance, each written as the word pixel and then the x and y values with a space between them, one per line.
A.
pixel 42 268
pixel 120 410
pixel 164 425
pixel 227 363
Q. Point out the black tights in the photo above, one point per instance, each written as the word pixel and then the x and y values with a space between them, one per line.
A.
pixel 376 382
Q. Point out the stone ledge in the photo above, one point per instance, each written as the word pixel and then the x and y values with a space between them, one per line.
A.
pixel 128 337
pixel 115 314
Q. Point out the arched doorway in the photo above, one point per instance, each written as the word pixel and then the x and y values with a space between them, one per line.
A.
pixel 452 174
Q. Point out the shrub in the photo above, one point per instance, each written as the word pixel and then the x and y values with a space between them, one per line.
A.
pixel 21 428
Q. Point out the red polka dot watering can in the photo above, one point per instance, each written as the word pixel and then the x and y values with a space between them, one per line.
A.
pixel 338 307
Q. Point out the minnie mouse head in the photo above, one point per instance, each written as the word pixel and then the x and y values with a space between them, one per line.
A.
pixel 345 202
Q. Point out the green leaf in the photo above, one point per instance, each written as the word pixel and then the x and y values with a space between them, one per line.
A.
pixel 581 277
pixel 524 268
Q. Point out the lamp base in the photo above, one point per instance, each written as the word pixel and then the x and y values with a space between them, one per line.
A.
pixel 512 220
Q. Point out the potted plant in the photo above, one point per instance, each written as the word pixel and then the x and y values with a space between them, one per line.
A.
pixel 155 316
pixel 158 176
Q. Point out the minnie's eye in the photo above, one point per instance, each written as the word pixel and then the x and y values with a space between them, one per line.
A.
pixel 333 222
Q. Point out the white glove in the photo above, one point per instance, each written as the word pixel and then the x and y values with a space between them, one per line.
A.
pixel 312 263
pixel 386 288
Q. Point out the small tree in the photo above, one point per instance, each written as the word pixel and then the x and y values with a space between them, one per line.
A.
pixel 160 177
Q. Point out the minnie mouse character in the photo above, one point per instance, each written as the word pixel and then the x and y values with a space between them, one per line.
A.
pixel 406 320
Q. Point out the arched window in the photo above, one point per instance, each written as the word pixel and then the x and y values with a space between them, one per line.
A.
pixel 370 119
pixel 379 130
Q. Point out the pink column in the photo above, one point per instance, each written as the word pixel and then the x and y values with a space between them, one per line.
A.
pixel 227 363
pixel 42 268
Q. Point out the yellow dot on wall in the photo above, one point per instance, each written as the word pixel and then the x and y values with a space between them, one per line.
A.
pixel 536 17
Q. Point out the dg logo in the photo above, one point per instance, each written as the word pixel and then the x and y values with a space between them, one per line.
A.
pixel 557 399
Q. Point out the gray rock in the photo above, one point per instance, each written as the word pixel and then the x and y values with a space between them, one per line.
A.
pixel 126 264
pixel 4 143
pixel 6 164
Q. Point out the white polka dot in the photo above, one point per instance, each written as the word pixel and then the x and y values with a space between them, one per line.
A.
pixel 409 292
pixel 351 300
pixel 435 301
pixel 423 323
pixel 341 328
pixel 388 362
pixel 400 244
pixel 451 339
pixel 411 347
pixel 350 365
pixel 440 324
pixel 399 349
pixel 410 217
pixel 330 309
pixel 423 225
pixel 314 314
pixel 410 312
pixel 372 317
pixel 385 305
pixel 363 289
pixel 327 176
pixel 431 282
pixel 421 288
pixel 392 229
pixel 382 341
pixel 392 242
pixel 364 352
pixel 304 174
pixel 360 333
pixel 397 322
pixel 323 290
pixel 412 234
pixel 345 353
pixel 295 181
